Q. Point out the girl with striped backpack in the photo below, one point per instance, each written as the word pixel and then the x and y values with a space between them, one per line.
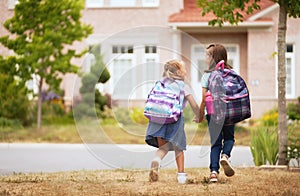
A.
pixel 164 108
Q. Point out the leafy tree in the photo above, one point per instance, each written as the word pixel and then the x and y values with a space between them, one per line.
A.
pixel 230 11
pixel 43 31
pixel 13 99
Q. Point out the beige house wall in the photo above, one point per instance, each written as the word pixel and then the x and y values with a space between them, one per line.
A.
pixel 256 46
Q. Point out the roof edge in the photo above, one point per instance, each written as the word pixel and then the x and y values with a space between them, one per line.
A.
pixel 226 24
pixel 263 12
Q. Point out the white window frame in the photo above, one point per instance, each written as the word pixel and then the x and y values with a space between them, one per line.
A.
pixel 293 74
pixel 196 82
pixel 122 3
pixel 121 56
pixel 94 3
pixel 157 73
pixel 234 56
pixel 150 3
pixel 291 55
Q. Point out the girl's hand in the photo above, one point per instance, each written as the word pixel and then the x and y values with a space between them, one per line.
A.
pixel 201 117
pixel 196 119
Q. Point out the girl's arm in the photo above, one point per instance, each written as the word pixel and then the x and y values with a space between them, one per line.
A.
pixel 194 107
pixel 202 105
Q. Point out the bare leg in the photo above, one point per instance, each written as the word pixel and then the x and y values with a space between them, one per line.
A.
pixel 163 148
pixel 179 159
pixel 160 154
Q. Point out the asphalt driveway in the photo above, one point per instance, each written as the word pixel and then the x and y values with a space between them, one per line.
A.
pixel 26 158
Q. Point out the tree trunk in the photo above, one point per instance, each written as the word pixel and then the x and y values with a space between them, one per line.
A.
pixel 39 112
pixel 282 121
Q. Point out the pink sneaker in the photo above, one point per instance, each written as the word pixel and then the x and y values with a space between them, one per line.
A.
pixel 213 177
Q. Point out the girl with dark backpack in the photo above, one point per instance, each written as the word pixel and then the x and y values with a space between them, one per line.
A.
pixel 170 136
pixel 221 134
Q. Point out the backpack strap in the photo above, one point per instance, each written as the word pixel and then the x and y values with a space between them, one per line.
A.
pixel 220 64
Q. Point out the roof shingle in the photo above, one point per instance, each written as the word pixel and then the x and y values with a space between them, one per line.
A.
pixel 192 13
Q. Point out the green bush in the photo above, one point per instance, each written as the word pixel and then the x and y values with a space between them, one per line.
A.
pixel 122 115
pixel 188 114
pixel 13 99
pixel 293 150
pixel 264 146
pixel 270 118
pixel 13 123
pixel 137 116
pixel 293 110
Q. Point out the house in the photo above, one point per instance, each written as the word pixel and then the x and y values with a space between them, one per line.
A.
pixel 138 36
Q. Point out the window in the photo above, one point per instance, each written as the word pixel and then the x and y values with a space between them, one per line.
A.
pixel 94 3
pixel 122 49
pixel 121 3
pixel 198 64
pixel 150 3
pixel 290 70
pixel 151 69
pixel 122 74
pixel 233 57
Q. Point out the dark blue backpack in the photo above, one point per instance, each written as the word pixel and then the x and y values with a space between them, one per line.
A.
pixel 231 101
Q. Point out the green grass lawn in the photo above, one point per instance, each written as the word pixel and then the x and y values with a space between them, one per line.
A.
pixel 93 132
pixel 109 131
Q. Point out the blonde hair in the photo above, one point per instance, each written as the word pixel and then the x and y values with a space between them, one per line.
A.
pixel 174 69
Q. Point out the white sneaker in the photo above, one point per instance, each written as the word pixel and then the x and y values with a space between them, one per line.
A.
pixel 182 178
pixel 228 170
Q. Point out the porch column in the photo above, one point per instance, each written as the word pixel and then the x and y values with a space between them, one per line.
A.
pixel 176 42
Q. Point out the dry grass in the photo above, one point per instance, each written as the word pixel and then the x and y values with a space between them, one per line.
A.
pixel 247 181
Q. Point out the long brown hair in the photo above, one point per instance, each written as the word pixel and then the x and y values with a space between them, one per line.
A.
pixel 218 53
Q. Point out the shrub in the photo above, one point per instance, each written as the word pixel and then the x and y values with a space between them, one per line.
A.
pixel 264 146
pixel 137 116
pixel 13 99
pixel 14 123
pixel 293 110
pixel 293 150
pixel 188 114
pixel 270 118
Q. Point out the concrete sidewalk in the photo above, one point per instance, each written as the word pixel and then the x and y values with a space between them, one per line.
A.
pixel 44 157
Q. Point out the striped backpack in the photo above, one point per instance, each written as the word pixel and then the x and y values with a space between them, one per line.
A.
pixel 231 101
pixel 165 101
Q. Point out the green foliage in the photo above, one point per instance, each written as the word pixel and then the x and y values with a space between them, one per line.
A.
pixel 264 146
pixel 137 116
pixel 122 115
pixel 293 110
pixel 188 113
pixel 88 83
pixel 42 29
pixel 12 123
pixel 293 150
pixel 92 99
pixel 99 68
pixel 270 118
pixel 13 99
pixel 228 10
pixel 42 33
pixel 232 10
